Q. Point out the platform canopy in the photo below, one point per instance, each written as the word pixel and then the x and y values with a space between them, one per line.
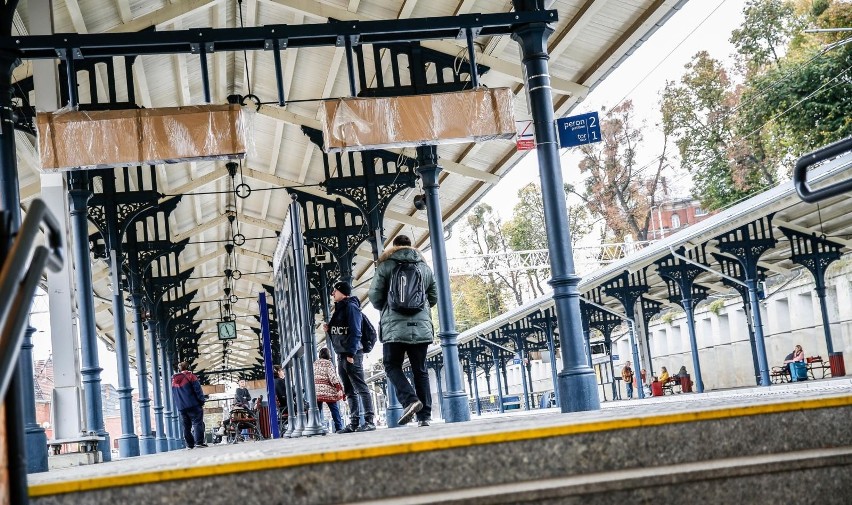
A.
pixel 591 38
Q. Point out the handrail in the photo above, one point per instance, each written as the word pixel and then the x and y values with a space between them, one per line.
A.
pixel 18 281
pixel 800 172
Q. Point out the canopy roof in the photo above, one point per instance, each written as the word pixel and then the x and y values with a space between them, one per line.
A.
pixel 591 38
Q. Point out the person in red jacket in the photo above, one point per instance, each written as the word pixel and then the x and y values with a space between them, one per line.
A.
pixel 189 400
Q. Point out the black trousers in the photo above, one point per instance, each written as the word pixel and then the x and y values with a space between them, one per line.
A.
pixel 393 355
pixel 355 387
pixel 193 425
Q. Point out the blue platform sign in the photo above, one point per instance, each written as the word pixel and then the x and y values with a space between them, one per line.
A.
pixel 578 130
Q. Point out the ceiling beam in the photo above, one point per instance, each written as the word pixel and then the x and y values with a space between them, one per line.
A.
pixel 169 13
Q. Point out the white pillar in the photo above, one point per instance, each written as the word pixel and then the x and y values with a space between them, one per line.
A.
pixel 66 402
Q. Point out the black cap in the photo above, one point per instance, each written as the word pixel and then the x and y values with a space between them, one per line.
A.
pixel 343 287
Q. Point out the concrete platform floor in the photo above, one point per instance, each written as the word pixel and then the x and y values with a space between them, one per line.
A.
pixel 282 453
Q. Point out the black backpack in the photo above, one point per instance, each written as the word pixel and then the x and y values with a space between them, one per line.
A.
pixel 368 334
pixel 407 294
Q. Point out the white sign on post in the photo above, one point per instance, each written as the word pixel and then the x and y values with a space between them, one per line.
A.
pixel 526 137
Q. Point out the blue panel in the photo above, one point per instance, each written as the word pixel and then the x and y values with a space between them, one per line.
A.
pixel 578 130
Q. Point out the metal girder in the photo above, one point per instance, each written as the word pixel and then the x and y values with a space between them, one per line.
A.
pixel 507 68
pixel 260 38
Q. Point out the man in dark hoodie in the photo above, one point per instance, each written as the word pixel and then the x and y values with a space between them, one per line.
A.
pixel 345 335
pixel 406 333
pixel 190 402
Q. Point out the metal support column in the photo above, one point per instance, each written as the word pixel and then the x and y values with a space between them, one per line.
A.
pixel 455 400
pixel 128 442
pixel 394 408
pixel 35 435
pixel 20 395
pixel 147 443
pixel 157 384
pixel 473 372
pixel 90 365
pixel 757 318
pixel 578 390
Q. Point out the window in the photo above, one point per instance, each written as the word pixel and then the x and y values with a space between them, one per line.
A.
pixel 675 221
pixel 700 212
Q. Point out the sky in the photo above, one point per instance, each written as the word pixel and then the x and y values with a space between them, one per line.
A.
pixel 700 25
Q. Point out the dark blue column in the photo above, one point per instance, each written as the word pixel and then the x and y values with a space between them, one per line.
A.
pixel 394 408
pixel 455 400
pixel 20 397
pixel 551 348
pixel 475 386
pixel 578 391
pixel 36 437
pixel 757 318
pixel 634 347
pixel 497 376
pixel 90 366
pixel 147 443
pixel 157 384
pixel 298 414
pixel 165 377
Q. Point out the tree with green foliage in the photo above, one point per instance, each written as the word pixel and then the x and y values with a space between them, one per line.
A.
pixel 526 228
pixel 796 96
pixel 804 100
pixel 700 113
pixel 475 300
pixel 618 188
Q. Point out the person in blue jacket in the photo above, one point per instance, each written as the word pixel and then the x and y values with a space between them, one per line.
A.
pixel 344 331
pixel 189 400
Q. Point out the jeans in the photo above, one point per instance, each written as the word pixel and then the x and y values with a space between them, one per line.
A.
pixel 394 355
pixel 629 386
pixel 193 425
pixel 335 414
pixel 355 388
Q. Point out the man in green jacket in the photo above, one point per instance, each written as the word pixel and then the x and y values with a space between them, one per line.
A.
pixel 406 329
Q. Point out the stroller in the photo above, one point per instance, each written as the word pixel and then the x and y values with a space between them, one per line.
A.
pixel 242 424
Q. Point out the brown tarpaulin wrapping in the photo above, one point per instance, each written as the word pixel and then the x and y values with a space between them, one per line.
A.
pixel 99 139
pixel 356 124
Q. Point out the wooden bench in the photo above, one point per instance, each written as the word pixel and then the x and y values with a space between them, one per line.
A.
pixel 779 374
pixel 816 365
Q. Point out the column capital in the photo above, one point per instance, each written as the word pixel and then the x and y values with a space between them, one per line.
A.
pixel 533 38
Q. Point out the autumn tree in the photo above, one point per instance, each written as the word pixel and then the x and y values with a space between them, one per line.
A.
pixel 618 187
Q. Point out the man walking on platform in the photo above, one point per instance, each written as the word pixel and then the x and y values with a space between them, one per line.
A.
pixel 345 335
pixel 189 400
pixel 403 289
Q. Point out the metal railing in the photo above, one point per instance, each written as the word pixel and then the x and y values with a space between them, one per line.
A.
pixel 800 172
pixel 19 278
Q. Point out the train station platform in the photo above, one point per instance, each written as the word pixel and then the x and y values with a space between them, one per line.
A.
pixel 750 445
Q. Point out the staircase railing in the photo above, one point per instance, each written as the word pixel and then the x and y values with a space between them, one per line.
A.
pixel 800 172
pixel 19 278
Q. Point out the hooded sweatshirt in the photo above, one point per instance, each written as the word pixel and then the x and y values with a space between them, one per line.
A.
pixel 187 390
pixel 345 326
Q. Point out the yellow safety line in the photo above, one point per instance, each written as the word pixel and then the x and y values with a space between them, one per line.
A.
pixel 428 445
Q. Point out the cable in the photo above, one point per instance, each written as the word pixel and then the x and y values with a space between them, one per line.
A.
pixel 245 53
pixel 723 2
